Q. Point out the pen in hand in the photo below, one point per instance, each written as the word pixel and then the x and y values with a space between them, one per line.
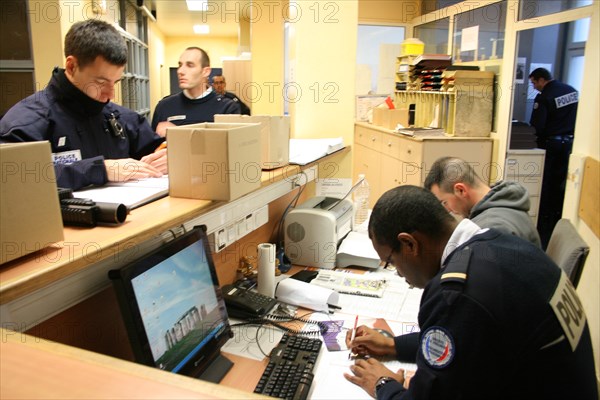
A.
pixel 163 145
pixel 353 335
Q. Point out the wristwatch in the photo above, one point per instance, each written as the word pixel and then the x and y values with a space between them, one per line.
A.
pixel 381 382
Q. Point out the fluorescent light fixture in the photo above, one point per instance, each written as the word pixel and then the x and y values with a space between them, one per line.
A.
pixel 197 5
pixel 201 29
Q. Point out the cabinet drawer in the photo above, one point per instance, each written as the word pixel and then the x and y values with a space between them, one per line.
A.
pixel 524 165
pixel 534 205
pixel 368 137
pixel 410 151
pixel 533 184
pixel 390 145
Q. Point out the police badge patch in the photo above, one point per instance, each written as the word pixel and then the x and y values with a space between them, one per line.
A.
pixel 437 347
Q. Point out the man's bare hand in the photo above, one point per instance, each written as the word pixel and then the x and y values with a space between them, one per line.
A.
pixel 128 169
pixel 157 160
pixel 161 128
pixel 366 373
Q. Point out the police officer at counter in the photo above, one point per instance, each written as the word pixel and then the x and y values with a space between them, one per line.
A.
pixel 553 117
pixel 93 140
pixel 498 319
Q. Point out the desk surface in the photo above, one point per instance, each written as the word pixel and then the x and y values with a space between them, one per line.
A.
pixel 36 369
pixel 84 246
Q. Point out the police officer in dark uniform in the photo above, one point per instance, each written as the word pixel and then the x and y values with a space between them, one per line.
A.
pixel 498 319
pixel 219 84
pixel 93 140
pixel 553 117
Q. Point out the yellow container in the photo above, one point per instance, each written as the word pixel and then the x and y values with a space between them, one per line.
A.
pixel 412 47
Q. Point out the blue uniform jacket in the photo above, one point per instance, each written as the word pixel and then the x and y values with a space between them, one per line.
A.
pixel 494 334
pixel 70 120
pixel 555 110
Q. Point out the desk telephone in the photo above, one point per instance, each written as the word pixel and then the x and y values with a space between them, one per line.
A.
pixel 245 304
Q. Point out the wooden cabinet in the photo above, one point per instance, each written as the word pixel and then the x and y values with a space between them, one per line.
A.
pixel 389 159
pixel 527 168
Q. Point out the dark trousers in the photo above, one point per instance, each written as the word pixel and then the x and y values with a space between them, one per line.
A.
pixel 556 164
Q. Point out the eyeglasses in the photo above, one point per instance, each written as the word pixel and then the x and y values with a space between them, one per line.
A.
pixel 388 260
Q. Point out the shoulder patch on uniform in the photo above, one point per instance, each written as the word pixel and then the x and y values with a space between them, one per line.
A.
pixel 569 310
pixel 437 347
pixel 535 105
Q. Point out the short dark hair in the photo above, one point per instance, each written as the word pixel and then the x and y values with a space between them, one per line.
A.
pixel 407 209
pixel 447 171
pixel 89 39
pixel 204 59
pixel 541 73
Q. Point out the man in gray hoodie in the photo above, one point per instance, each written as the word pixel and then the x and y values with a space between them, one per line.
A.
pixel 461 191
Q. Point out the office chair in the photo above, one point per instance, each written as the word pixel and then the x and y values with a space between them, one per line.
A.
pixel 568 250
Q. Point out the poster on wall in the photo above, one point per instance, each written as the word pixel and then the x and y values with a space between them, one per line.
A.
pixel 469 38
pixel 520 71
pixel 531 92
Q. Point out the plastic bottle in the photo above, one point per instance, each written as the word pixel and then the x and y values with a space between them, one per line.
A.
pixel 361 201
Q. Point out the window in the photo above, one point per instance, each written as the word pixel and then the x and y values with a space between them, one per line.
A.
pixel 376 52
pixel 479 34
pixel 16 63
pixel 537 8
pixel 434 35
pixel 135 86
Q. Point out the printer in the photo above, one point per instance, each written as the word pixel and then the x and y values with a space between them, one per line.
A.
pixel 314 229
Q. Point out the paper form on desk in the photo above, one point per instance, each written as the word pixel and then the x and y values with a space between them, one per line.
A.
pixel 304 151
pixel 329 381
pixel 246 343
pixel 132 194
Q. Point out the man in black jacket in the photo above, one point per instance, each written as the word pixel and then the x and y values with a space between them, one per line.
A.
pixel 93 140
pixel 498 319
pixel 197 102
pixel 553 117
pixel 220 86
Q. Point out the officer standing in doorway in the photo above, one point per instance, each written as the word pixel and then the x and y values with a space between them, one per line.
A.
pixel 553 117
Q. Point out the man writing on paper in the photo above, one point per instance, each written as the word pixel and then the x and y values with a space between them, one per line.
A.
pixel 197 102
pixel 498 319
pixel 462 192
pixel 93 140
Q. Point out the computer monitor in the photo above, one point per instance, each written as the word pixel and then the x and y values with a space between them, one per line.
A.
pixel 173 308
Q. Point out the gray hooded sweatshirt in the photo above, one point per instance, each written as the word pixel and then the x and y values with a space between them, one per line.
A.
pixel 505 208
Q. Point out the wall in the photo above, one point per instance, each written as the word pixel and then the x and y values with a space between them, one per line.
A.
pixel 267 59
pixel 387 11
pixel 157 63
pixel 323 97
pixel 587 144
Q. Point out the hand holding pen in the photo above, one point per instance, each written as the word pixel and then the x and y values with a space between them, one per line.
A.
pixel 365 341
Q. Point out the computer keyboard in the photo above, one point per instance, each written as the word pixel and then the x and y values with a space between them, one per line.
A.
pixel 289 373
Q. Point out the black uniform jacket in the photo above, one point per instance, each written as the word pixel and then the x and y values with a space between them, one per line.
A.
pixel 500 321
pixel 70 120
pixel 555 110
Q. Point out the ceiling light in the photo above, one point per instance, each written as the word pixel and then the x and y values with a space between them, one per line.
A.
pixel 197 5
pixel 201 29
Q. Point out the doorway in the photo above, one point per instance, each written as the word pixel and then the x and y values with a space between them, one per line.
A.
pixel 558 48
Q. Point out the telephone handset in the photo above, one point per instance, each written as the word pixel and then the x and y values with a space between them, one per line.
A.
pixel 245 304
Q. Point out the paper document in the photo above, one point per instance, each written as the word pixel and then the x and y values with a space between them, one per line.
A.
pixel 302 294
pixel 349 283
pixel 304 151
pixel 357 249
pixel 132 194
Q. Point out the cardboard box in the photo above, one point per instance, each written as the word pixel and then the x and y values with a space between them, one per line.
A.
pixel 214 161
pixel 29 207
pixel 389 119
pixel 274 133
